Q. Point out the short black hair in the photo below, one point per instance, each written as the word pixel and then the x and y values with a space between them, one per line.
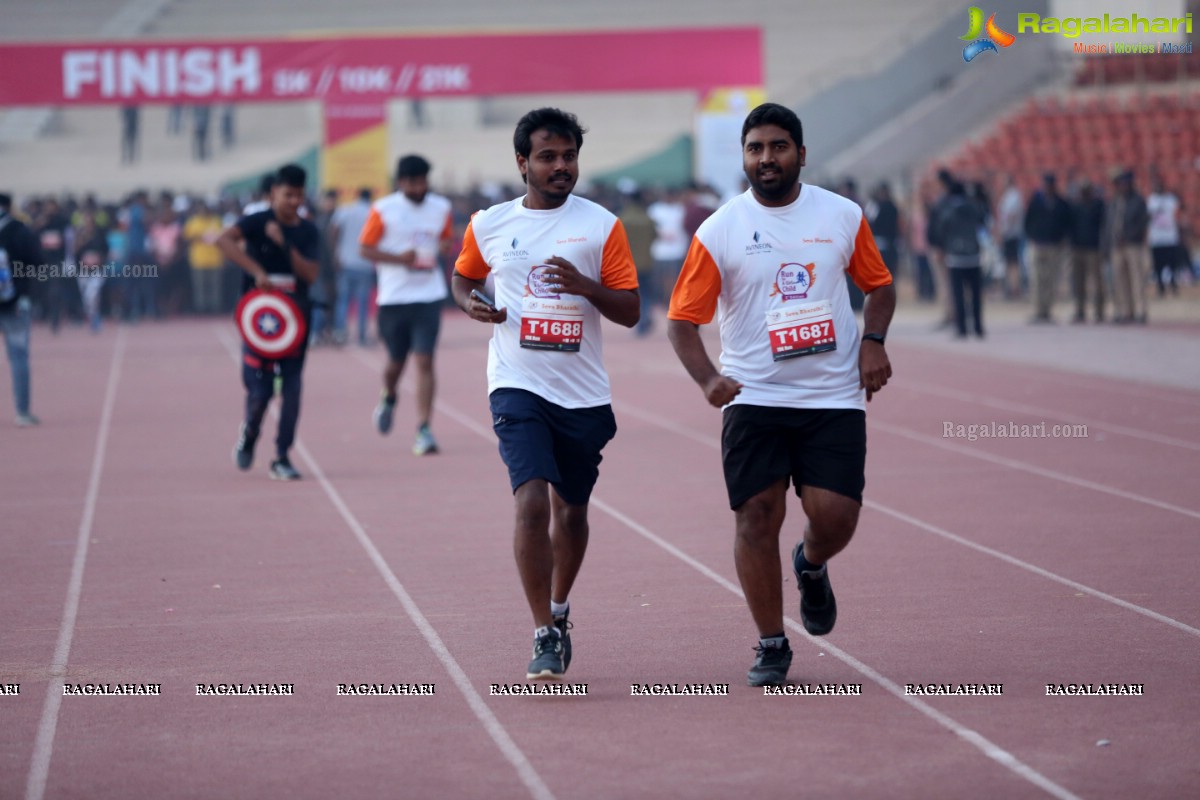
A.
pixel 774 114
pixel 554 121
pixel 412 166
pixel 291 175
pixel 364 193
pixel 266 183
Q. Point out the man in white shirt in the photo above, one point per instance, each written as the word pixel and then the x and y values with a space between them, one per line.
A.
pixel 558 263
pixel 772 265
pixel 1163 236
pixel 404 234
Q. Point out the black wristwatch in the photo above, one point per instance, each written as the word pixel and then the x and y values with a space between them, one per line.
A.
pixel 874 337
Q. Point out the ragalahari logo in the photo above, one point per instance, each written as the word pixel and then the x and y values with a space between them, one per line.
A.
pixel 995 35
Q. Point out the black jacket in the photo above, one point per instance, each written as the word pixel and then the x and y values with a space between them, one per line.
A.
pixel 20 256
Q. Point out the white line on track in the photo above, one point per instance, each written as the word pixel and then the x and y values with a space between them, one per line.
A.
pixel 43 748
pixel 1012 463
pixel 508 748
pixel 1022 408
pixel 977 740
pixel 712 443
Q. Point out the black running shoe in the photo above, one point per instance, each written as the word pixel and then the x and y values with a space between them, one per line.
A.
pixel 818 608
pixel 564 625
pixel 771 666
pixel 243 451
pixel 382 415
pixel 282 470
pixel 547 663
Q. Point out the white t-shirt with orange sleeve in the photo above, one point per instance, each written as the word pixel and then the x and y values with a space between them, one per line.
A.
pixel 550 344
pixel 775 279
pixel 397 224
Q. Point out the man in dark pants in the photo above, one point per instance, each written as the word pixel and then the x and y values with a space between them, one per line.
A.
pixel 19 253
pixel 1087 263
pixel 955 233
pixel 277 249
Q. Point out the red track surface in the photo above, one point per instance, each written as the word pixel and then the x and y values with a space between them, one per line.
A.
pixel 1023 562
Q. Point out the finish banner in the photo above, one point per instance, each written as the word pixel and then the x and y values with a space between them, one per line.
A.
pixel 378 68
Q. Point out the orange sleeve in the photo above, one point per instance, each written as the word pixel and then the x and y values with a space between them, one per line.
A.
pixel 372 231
pixel 866 265
pixel 617 270
pixel 470 263
pixel 698 287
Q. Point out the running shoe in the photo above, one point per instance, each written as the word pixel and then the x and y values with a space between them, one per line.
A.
pixel 282 470
pixel 383 414
pixel 243 451
pixel 425 444
pixel 564 625
pixel 27 421
pixel 770 666
pixel 818 608
pixel 547 663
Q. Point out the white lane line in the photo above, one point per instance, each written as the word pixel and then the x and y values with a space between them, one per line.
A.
pixel 1012 463
pixel 712 443
pixel 508 748
pixel 974 738
pixel 43 748
pixel 1022 408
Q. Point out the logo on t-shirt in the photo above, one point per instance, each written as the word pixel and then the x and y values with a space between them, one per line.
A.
pixel 793 281
pixel 537 283
pixel 759 246
pixel 515 252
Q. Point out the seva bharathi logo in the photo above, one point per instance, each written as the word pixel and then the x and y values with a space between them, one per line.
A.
pixel 995 35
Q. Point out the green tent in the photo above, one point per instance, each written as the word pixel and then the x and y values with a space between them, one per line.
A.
pixel 310 159
pixel 671 166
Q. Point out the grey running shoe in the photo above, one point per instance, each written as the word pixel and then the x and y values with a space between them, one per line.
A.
pixel 27 421
pixel 771 666
pixel 564 625
pixel 425 444
pixel 547 663
pixel 243 451
pixel 818 608
pixel 383 414
pixel 282 470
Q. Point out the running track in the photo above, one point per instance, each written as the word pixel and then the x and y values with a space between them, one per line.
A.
pixel 135 552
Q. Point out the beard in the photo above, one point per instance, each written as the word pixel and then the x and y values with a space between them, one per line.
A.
pixel 776 187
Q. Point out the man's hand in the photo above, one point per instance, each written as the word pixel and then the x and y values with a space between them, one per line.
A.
pixel 720 390
pixel 275 233
pixel 263 281
pixel 482 312
pixel 874 368
pixel 564 278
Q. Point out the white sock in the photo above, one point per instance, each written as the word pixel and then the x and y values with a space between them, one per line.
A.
pixel 558 609
pixel 545 630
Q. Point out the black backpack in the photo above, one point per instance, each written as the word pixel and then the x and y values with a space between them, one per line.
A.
pixel 960 227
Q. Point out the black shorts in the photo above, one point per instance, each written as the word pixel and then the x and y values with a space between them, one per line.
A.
pixel 406 327
pixel 826 448
pixel 561 446
pixel 1012 250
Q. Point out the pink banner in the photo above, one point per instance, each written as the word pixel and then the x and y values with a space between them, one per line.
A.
pixel 375 69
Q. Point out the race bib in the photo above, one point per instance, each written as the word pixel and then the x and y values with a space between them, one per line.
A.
pixel 550 321
pixel 284 283
pixel 801 330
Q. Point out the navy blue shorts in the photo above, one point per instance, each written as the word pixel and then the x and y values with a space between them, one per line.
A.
pixel 561 446
pixel 409 327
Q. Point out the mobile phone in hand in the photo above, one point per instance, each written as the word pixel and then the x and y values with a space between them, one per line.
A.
pixel 483 298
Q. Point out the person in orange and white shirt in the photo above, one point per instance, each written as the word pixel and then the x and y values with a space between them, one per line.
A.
pixel 404 235
pixel 771 265
pixel 558 263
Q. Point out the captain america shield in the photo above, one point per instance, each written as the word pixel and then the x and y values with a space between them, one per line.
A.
pixel 271 324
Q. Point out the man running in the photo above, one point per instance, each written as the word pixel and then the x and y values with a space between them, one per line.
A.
pixel 278 250
pixel 793 369
pixel 404 235
pixel 559 263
